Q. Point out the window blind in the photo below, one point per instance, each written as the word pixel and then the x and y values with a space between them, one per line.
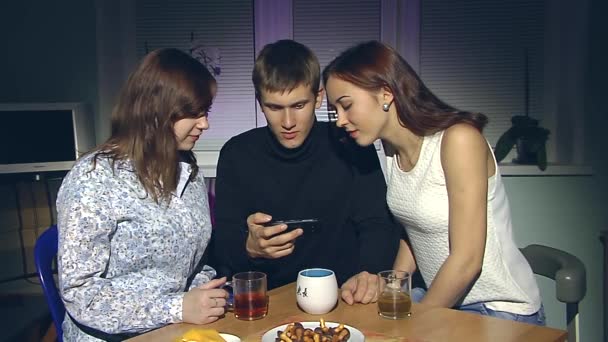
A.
pixel 329 27
pixel 217 24
pixel 473 56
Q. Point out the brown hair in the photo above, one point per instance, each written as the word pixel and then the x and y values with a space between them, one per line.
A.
pixel 167 85
pixel 375 66
pixel 285 65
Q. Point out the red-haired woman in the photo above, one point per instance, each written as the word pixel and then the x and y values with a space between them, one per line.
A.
pixel 444 186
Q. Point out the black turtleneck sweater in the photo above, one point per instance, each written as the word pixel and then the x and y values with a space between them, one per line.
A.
pixel 340 184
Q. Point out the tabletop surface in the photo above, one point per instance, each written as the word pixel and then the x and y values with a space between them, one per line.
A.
pixel 425 324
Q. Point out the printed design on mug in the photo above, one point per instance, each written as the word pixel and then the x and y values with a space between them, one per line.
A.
pixel 304 293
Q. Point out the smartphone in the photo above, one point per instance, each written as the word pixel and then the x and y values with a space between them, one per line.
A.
pixel 308 225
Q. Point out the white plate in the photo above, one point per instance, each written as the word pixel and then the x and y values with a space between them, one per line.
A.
pixel 230 337
pixel 355 334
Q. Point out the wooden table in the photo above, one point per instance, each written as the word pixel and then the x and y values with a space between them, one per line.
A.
pixel 425 324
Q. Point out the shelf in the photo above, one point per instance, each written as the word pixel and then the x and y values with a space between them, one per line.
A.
pixel 510 169
pixel 207 161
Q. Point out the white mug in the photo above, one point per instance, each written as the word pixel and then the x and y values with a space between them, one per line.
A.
pixel 317 290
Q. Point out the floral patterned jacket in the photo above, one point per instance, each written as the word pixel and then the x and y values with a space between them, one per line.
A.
pixel 124 260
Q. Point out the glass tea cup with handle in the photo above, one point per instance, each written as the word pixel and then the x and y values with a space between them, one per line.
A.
pixel 394 300
pixel 249 300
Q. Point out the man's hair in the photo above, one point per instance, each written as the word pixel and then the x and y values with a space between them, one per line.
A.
pixel 285 65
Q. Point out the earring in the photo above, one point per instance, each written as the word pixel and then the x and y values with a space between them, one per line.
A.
pixel 386 106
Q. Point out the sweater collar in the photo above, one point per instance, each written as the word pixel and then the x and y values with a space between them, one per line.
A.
pixel 301 152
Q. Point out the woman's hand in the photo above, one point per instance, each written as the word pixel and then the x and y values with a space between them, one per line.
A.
pixel 360 288
pixel 206 303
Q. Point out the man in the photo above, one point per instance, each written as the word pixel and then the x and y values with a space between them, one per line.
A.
pixel 297 168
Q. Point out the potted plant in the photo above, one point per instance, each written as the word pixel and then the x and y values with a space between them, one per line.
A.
pixel 525 133
pixel 530 140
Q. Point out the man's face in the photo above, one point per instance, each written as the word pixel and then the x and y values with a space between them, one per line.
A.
pixel 290 114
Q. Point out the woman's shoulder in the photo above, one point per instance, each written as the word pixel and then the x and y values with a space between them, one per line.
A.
pixel 89 175
pixel 95 165
pixel 462 147
pixel 462 131
pixel 462 137
pixel 91 162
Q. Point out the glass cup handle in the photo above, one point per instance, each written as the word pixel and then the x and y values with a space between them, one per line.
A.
pixel 229 287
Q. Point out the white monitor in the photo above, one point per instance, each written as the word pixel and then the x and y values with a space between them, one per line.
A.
pixel 38 137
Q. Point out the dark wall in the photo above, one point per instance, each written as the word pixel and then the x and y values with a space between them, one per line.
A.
pixel 48 51
pixel 596 101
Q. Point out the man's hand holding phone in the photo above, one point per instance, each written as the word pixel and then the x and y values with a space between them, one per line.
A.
pixel 270 242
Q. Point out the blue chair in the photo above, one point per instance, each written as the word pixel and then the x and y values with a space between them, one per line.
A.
pixel 44 255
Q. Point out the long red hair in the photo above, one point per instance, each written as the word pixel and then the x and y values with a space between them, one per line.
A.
pixel 375 66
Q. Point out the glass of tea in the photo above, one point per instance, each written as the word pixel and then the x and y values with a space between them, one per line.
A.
pixel 249 301
pixel 394 301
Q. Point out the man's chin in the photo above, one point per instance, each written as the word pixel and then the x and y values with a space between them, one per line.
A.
pixel 291 144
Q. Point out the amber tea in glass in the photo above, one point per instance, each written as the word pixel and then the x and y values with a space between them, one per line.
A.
pixel 394 301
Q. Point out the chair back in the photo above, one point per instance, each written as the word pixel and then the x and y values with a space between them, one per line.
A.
pixel 45 252
pixel 570 278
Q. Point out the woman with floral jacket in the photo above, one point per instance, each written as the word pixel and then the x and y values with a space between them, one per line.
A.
pixel 133 215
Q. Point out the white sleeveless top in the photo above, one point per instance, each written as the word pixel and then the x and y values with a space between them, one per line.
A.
pixel 419 200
